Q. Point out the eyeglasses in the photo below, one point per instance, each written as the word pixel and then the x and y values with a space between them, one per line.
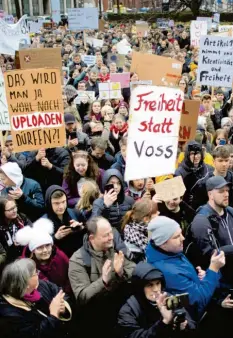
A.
pixel 11 209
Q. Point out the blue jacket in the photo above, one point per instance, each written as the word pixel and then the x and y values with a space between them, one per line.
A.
pixel 181 277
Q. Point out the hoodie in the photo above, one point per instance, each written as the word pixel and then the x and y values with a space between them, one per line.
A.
pixel 135 194
pixel 73 241
pixel 118 209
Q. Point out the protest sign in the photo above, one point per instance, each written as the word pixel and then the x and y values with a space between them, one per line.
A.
pixel 198 28
pixel 110 90
pixel 4 114
pixel 123 78
pixel 162 23
pixel 168 73
pixel 34 27
pixel 11 35
pixel 84 96
pixel 123 47
pixel 36 108
pixel 207 19
pixel 2 13
pixel 89 59
pixel 155 114
pixel 168 190
pixel 96 43
pixel 188 122
pixel 83 18
pixel 225 28
pixel 9 19
pixel 48 25
pixel 216 18
pixel 101 25
pixel 117 58
pixel 215 65
pixel 142 28
pixel 55 9
pixel 134 84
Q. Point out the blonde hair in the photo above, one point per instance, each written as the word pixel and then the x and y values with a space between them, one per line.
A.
pixel 90 192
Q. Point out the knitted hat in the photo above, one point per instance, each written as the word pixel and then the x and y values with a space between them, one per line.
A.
pixel 70 92
pixel 13 172
pixel 162 228
pixel 37 235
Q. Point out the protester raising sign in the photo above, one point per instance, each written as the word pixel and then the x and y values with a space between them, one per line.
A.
pixel 4 114
pixel 12 35
pixel 155 114
pixel 36 108
pixel 198 28
pixel 215 65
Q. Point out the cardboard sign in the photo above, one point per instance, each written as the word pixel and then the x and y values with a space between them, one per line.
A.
pixel 101 25
pixel 83 18
pixel 198 28
pixel 110 90
pixel 89 59
pixel 11 35
pixel 118 59
pixel 84 96
pixel 47 25
pixel 123 78
pixel 142 28
pixel 155 114
pixel 215 65
pixel 4 114
pixel 188 122
pixel 168 190
pixel 36 108
pixel 168 73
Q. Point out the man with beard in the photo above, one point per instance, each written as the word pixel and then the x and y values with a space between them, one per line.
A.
pixel 76 139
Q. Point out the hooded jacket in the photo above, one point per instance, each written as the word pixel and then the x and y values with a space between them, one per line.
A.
pixel 72 242
pixel 181 277
pixel 135 194
pixel 190 174
pixel 119 164
pixel 117 210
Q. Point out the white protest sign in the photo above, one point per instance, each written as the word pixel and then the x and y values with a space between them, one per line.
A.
pixel 12 35
pixel 110 90
pixel 4 114
pixel 96 43
pixel 155 114
pixel 123 47
pixel 225 28
pixel 198 28
pixel 55 9
pixel 207 19
pixel 9 19
pixel 83 18
pixel 34 27
pixel 216 18
pixel 215 65
pixel 89 59
pixel 84 96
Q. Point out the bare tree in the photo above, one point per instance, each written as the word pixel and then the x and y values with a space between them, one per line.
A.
pixel 193 5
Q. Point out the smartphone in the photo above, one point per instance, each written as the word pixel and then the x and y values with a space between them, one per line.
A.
pixel 108 187
pixel 177 301
pixel 213 240
pixel 73 135
pixel 222 142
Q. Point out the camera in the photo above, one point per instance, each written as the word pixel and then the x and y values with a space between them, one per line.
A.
pixel 177 304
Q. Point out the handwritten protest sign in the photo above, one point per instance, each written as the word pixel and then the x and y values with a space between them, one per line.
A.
pixel 96 43
pixel 123 78
pixel 215 65
pixel 225 28
pixel 117 58
pixel 9 19
pixel 84 96
pixel 123 47
pixel 207 19
pixel 155 114
pixel 188 122
pixel 198 28
pixel 101 25
pixel 134 84
pixel 167 74
pixel 55 9
pixel 110 90
pixel 162 23
pixel 34 27
pixel 36 108
pixel 89 59
pixel 4 114
pixel 142 28
pixel 170 189
pixel 216 18
pixel 12 35
pixel 83 18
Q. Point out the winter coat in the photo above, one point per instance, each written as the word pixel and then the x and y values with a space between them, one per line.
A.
pixel 59 157
pixel 118 209
pixel 181 277
pixel 18 319
pixel 138 317
pixel 119 164
pixel 136 239
pixel 55 271
pixel 105 162
pixel 31 203
pixel 72 242
pixel 19 158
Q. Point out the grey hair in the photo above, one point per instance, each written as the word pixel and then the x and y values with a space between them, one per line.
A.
pixel 15 277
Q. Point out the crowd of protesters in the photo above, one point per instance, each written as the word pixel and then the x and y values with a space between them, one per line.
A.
pixel 83 253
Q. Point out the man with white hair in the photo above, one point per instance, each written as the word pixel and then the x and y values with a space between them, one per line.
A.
pixel 165 252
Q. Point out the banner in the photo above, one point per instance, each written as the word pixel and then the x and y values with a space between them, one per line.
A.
pixel 55 9
pixel 155 114
pixel 188 122
pixel 83 18
pixel 4 114
pixel 215 65
pixel 11 35
pixel 167 74
pixel 36 108
pixel 198 28
pixel 109 90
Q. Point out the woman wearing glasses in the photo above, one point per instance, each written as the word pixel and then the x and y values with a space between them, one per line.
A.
pixel 10 222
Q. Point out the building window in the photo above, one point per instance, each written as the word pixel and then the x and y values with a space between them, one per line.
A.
pixel 62 6
pixel 35 6
pixel 1 4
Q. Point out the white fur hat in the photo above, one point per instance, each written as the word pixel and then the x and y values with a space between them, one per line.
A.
pixel 37 235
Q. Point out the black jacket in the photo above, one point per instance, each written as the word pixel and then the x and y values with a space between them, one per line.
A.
pixel 115 212
pixel 105 162
pixel 17 322
pixel 59 157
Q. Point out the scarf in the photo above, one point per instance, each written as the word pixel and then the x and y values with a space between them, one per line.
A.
pixel 98 116
pixel 137 234
pixel 122 130
pixel 32 297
